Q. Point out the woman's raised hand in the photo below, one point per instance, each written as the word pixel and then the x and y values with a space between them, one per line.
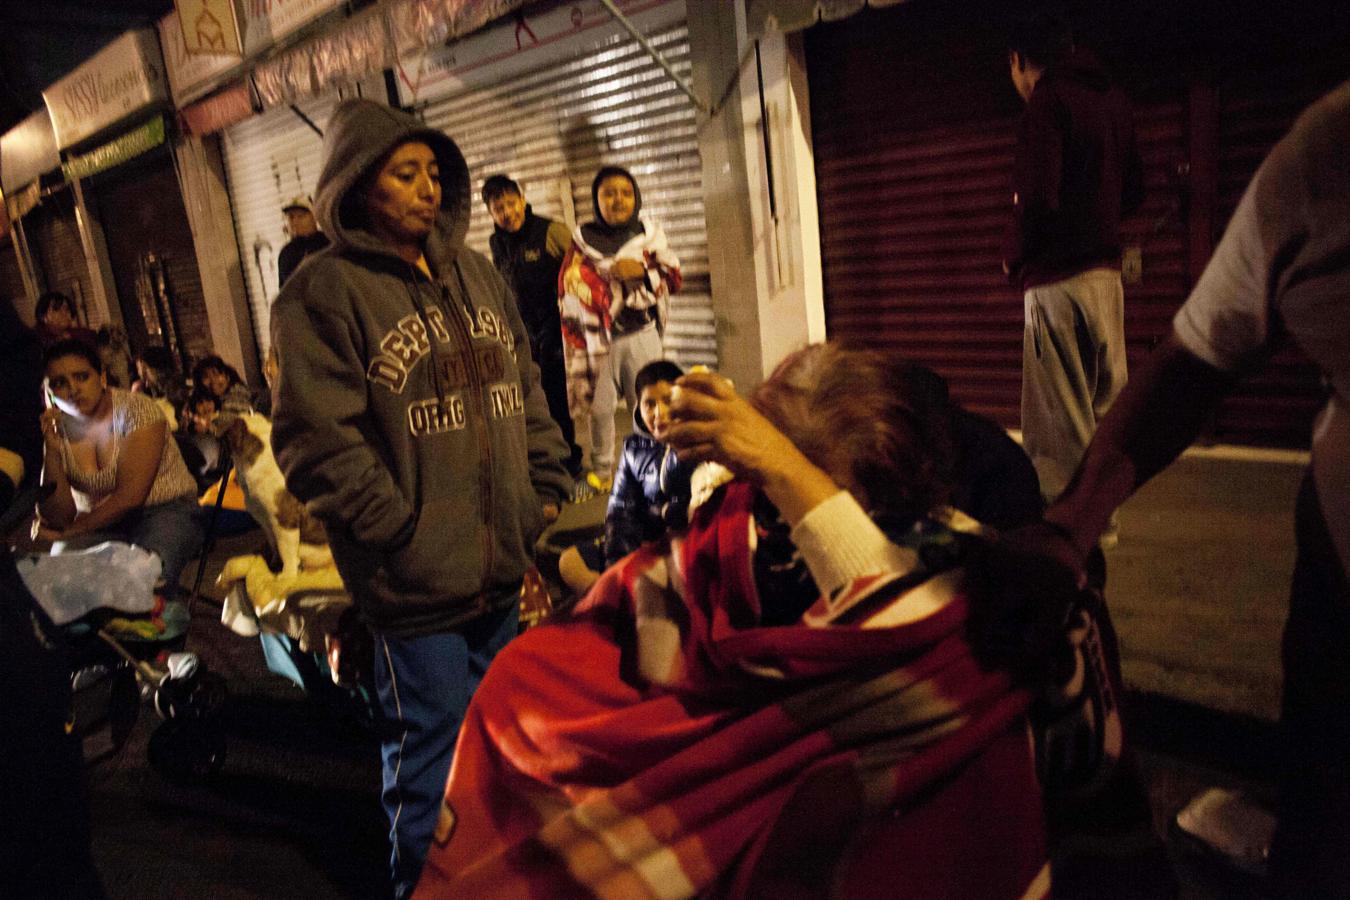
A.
pixel 712 423
pixel 51 428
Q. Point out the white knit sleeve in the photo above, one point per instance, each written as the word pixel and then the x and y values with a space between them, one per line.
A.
pixel 839 542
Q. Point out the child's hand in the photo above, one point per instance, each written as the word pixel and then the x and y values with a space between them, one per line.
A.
pixel 628 270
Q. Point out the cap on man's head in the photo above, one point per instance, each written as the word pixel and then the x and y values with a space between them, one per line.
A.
pixel 299 201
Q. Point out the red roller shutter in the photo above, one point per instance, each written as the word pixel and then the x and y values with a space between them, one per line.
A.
pixel 1257 105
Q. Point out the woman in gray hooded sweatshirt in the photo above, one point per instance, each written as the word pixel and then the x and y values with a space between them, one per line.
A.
pixel 409 418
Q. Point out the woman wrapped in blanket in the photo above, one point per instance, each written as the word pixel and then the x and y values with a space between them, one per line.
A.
pixel 118 476
pixel 784 700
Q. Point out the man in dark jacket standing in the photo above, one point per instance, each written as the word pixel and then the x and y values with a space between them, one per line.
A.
pixel 409 419
pixel 1077 174
pixel 306 238
pixel 528 250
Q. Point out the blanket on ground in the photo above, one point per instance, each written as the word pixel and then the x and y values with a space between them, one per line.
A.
pixel 662 744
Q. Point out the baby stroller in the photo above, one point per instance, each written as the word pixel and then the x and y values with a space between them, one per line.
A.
pixel 109 670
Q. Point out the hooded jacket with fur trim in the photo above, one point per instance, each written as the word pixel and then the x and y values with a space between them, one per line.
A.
pixel 409 415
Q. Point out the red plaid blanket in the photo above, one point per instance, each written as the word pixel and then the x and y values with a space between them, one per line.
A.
pixel 660 744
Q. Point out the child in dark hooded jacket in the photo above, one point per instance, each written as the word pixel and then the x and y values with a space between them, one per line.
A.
pixel 651 486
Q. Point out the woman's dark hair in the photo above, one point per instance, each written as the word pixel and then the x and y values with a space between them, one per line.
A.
pixel 158 358
pixel 854 413
pixel 72 347
pixel 657 370
pixel 50 300
pixel 214 362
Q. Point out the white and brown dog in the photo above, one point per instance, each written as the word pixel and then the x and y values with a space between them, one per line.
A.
pixel 298 537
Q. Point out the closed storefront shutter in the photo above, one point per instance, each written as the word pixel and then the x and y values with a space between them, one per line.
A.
pixel 54 238
pixel 553 127
pixel 911 241
pixel 268 160
pixel 11 281
pixel 146 231
pixel 1256 107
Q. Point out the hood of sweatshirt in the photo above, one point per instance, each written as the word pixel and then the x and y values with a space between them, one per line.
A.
pixel 359 135
pixel 608 237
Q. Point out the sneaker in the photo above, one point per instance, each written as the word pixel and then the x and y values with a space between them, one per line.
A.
pixel 581 491
pixel 1231 826
pixel 601 485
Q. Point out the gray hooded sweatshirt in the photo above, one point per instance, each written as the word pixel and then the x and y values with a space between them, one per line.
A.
pixel 409 415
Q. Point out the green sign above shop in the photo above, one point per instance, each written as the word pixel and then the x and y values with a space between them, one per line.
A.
pixel 114 153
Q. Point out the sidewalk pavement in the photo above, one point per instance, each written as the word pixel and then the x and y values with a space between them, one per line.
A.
pixel 1198 585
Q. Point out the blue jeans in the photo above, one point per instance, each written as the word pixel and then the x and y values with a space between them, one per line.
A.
pixel 424 686
pixel 174 530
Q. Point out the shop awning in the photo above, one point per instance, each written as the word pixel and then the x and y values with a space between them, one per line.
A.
pixel 762 16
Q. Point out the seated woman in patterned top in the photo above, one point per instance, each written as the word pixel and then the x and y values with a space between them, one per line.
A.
pixel 117 473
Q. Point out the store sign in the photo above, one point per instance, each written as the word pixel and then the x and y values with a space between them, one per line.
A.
pixel 27 151
pixel 114 153
pixel 271 20
pixel 123 78
pixel 244 27
pixel 190 74
pixel 529 40
pixel 210 27
pixel 217 112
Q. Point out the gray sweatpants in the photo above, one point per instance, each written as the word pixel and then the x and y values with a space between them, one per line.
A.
pixel 1073 366
pixel 627 354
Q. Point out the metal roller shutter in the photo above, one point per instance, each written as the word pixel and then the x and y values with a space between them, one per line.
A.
pixel 911 231
pixel 1256 107
pixel 1159 228
pixel 554 127
pixel 54 239
pixel 140 209
pixel 11 281
pixel 269 159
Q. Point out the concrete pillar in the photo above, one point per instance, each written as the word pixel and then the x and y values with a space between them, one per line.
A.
pixel 759 194
pixel 201 175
